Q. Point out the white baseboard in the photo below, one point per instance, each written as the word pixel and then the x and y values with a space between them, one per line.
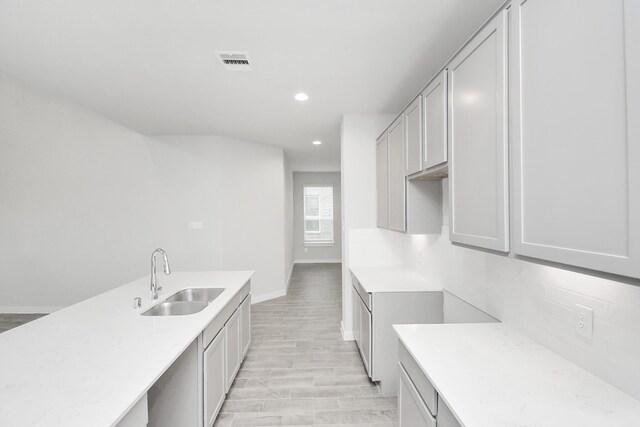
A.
pixel 28 310
pixel 255 299
pixel 317 261
pixel 289 278
pixel 346 335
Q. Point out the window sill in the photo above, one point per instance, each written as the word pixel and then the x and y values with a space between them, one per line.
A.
pixel 318 244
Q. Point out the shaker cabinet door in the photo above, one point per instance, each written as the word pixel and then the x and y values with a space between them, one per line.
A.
pixel 232 347
pixel 397 186
pixel 245 325
pixel 478 133
pixel 434 100
pixel 576 135
pixel 413 137
pixel 214 379
pixel 382 180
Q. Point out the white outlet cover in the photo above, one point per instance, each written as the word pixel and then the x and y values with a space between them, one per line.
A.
pixel 196 225
pixel 584 321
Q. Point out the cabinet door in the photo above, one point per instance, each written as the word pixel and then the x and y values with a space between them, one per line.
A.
pixel 412 411
pixel 396 177
pixel 245 325
pixel 232 347
pixel 365 337
pixel 575 72
pixel 356 316
pixel 382 178
pixel 477 129
pixel 214 379
pixel 434 100
pixel 413 136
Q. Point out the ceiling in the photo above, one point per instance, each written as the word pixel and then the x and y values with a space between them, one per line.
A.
pixel 151 64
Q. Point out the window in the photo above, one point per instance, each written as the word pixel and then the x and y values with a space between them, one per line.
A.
pixel 318 216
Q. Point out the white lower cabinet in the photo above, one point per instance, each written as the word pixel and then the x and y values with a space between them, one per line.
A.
pixel 233 351
pixel 419 404
pixel 374 315
pixel 412 411
pixel 215 384
pixel 245 325
pixel 192 390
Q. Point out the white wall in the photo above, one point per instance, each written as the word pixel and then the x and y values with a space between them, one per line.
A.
pixel 288 220
pixel 316 253
pixel 358 136
pixel 535 298
pixel 84 201
pixel 236 188
pixel 77 212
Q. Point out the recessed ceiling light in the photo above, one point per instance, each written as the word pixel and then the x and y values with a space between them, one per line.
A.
pixel 301 96
pixel 317 142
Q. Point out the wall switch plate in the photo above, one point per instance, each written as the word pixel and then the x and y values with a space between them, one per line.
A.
pixel 196 225
pixel 584 321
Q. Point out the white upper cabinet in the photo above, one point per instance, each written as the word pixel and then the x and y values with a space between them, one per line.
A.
pixel 413 135
pixel 396 176
pixel 434 101
pixel 575 96
pixel 382 178
pixel 478 170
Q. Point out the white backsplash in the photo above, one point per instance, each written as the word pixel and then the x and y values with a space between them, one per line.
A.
pixel 536 299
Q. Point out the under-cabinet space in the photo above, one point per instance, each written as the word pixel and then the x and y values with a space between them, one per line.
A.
pixel 478 167
pixel 575 95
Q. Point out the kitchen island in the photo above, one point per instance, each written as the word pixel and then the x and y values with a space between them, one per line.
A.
pixel 91 363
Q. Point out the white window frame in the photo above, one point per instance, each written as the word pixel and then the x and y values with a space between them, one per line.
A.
pixel 318 243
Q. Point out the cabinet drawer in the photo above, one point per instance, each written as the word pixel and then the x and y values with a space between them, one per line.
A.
pixel 419 379
pixel 366 297
pixel 412 411
pixel 445 416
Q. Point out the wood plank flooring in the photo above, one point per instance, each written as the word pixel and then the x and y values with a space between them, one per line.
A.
pixel 298 370
pixel 10 321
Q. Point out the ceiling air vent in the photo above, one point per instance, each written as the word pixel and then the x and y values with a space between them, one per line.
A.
pixel 235 61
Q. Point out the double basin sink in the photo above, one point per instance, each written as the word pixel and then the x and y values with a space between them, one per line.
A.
pixel 187 301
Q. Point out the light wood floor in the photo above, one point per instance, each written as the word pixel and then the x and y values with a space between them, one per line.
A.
pixel 10 321
pixel 298 370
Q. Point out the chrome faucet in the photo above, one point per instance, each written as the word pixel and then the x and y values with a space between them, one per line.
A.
pixel 154 278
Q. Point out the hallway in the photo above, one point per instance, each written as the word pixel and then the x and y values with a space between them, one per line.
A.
pixel 298 370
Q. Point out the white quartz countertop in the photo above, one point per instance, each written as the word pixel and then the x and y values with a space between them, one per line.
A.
pixel 88 364
pixel 493 376
pixel 392 279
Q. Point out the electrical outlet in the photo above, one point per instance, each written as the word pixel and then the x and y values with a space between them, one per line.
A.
pixel 584 321
pixel 196 225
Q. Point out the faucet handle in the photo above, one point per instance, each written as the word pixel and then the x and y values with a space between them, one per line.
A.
pixel 137 302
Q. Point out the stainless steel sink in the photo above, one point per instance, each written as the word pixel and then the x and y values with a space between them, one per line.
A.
pixel 197 294
pixel 176 308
